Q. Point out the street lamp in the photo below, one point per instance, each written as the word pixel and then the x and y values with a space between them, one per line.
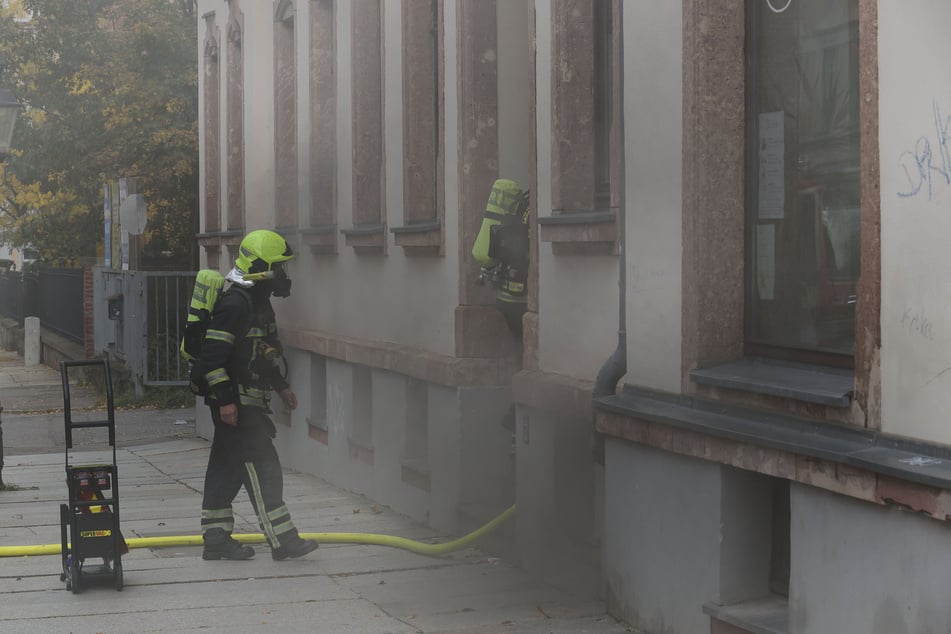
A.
pixel 9 109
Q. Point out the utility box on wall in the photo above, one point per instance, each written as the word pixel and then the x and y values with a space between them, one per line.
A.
pixel 114 307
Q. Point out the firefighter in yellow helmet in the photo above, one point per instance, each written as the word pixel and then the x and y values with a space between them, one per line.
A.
pixel 241 361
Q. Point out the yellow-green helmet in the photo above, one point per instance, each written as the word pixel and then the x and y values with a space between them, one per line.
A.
pixel 260 250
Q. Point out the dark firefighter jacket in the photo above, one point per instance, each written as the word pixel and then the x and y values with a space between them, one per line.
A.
pixel 241 354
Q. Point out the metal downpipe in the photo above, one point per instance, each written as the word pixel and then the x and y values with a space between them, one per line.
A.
pixel 615 367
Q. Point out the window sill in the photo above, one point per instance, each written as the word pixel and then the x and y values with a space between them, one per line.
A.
pixel 419 239
pixel 581 232
pixel 366 238
pixel 762 616
pixel 798 381
pixel 876 452
pixel 220 238
pixel 320 238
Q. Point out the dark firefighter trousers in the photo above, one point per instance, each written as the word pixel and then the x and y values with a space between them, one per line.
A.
pixel 244 455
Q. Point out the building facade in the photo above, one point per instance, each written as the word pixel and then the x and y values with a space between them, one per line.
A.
pixel 730 391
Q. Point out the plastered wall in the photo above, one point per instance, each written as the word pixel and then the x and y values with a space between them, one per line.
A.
pixel 915 106
pixel 577 295
pixel 852 573
pixel 388 297
pixel 653 143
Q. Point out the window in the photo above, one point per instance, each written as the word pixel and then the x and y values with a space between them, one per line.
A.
pixel 235 123
pixel 211 116
pixel 603 91
pixel 321 235
pixel 422 129
pixel 285 117
pixel 368 232
pixel 584 101
pixel 803 178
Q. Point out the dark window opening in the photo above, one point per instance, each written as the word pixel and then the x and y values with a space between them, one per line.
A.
pixel 603 95
pixel 803 180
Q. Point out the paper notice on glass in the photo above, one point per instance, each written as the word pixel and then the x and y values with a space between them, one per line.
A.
pixel 765 260
pixel 772 192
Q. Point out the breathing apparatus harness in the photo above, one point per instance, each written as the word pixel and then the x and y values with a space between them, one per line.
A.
pixel 261 259
pixel 502 246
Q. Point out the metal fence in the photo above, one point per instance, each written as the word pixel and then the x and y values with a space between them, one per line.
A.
pixel 138 315
pixel 11 296
pixel 53 295
pixel 59 302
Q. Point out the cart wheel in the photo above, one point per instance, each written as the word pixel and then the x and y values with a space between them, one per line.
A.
pixel 74 577
pixel 117 570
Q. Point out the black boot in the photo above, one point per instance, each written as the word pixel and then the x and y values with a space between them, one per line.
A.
pixel 293 546
pixel 224 546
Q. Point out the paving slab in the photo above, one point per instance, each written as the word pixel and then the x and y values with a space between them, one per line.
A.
pixel 340 588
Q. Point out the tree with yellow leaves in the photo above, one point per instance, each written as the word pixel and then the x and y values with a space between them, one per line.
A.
pixel 109 89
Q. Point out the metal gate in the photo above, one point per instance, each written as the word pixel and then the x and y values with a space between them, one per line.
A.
pixel 140 316
pixel 168 297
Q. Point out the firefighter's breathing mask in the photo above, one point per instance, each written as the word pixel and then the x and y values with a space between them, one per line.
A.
pixel 276 279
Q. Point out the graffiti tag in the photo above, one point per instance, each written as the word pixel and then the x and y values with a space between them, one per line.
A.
pixel 917 324
pixel 929 163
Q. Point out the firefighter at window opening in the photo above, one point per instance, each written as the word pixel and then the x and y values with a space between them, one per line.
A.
pixel 241 360
pixel 502 250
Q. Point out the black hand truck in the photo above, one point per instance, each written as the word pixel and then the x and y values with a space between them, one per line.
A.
pixel 89 522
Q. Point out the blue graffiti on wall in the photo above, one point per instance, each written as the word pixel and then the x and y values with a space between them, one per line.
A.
pixel 929 164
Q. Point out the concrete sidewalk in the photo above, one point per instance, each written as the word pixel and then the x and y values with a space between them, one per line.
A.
pixel 339 588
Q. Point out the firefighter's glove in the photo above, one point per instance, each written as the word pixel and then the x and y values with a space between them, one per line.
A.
pixel 290 399
pixel 229 414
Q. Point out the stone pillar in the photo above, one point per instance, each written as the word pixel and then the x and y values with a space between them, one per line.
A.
pixel 480 329
pixel 31 343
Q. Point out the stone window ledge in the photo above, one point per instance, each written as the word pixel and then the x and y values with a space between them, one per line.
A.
pixel 446 370
pixel 424 238
pixel 220 238
pixel 876 452
pixel 581 232
pixel 553 393
pixel 798 381
pixel 369 238
pixel 320 238
pixel 769 615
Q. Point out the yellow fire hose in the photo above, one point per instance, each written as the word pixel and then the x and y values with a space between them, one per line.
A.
pixel 422 548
